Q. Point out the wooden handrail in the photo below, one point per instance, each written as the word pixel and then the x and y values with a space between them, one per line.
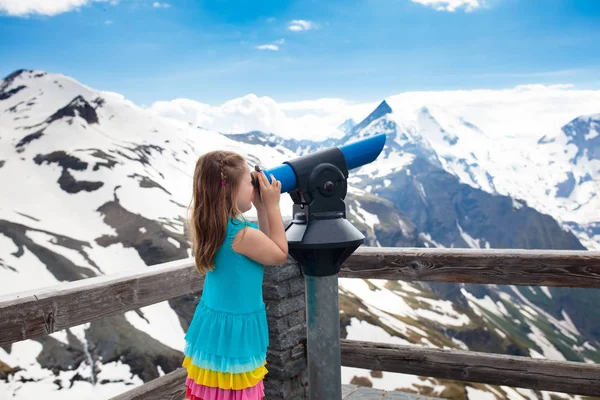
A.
pixel 168 387
pixel 468 366
pixel 496 369
pixel 567 268
pixel 42 311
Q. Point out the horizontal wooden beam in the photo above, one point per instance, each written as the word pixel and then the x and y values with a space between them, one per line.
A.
pixel 168 387
pixel 495 369
pixel 38 312
pixel 570 268
pixel 42 311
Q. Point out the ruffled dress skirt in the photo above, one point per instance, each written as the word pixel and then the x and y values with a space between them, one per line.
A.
pixel 225 354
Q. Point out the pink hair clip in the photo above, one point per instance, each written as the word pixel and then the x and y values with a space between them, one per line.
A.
pixel 223 183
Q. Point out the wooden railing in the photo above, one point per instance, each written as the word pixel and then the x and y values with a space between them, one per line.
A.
pixel 40 312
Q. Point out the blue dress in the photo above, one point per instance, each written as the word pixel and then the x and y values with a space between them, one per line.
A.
pixel 227 340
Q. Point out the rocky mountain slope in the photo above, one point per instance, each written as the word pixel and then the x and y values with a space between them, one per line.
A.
pixel 97 185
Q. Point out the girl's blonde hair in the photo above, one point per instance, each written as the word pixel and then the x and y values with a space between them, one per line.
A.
pixel 217 177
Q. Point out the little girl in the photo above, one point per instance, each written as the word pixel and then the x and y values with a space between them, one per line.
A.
pixel 227 340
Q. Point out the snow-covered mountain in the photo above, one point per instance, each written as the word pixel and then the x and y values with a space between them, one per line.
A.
pixel 449 181
pixel 557 174
pixel 94 185
pixel 97 185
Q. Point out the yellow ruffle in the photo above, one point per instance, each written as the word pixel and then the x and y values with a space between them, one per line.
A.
pixel 224 380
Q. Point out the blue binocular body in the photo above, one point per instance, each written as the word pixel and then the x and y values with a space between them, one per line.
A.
pixel 356 154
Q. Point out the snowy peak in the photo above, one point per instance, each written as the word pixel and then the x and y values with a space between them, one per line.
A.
pixel 94 155
pixel 433 129
pixel 432 134
pixel 382 109
pixel 584 132
pixel 439 126
pixel 78 107
pixel 347 126
pixel 7 87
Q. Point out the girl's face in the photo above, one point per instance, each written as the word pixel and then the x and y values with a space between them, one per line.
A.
pixel 245 191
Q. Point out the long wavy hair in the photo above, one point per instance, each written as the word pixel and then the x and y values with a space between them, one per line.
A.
pixel 217 177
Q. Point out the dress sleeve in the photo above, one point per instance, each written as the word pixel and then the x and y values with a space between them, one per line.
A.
pixel 234 226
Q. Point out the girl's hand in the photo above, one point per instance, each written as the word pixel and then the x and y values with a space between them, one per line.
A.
pixel 270 193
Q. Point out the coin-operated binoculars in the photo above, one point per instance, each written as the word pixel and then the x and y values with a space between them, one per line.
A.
pixel 320 239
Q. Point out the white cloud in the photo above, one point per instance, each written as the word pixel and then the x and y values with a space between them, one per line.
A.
pixel 158 4
pixel 316 119
pixel 23 8
pixel 525 110
pixel 299 25
pixel 272 47
pixel 530 110
pixel 451 5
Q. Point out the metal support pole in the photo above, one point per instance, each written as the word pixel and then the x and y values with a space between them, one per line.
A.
pixel 323 338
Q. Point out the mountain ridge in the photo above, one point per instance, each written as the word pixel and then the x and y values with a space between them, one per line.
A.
pixel 416 194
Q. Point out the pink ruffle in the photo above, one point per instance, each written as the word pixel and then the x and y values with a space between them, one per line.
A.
pixel 201 392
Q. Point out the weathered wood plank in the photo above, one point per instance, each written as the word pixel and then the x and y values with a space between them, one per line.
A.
pixel 407 396
pixel 348 389
pixel 568 268
pixel 470 366
pixel 365 393
pixel 168 387
pixel 353 392
pixel 172 387
pixel 39 312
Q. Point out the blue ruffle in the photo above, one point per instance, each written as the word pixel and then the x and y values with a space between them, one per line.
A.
pixel 227 339
pixel 224 364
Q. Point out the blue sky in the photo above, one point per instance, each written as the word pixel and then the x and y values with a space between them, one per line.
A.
pixel 362 50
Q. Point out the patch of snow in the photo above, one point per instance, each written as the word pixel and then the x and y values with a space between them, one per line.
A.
pixel 549 351
pixel 174 242
pixel 461 345
pixel 477 394
pixel 591 134
pixel 362 330
pixel 163 324
pixel 471 242
pixel 389 380
pixel 30 271
pixel 517 204
pixel 427 237
pixel 546 291
pixel 588 346
pixel 532 290
pixel 519 393
pixel 61 336
pixel 563 328
pixel 486 304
